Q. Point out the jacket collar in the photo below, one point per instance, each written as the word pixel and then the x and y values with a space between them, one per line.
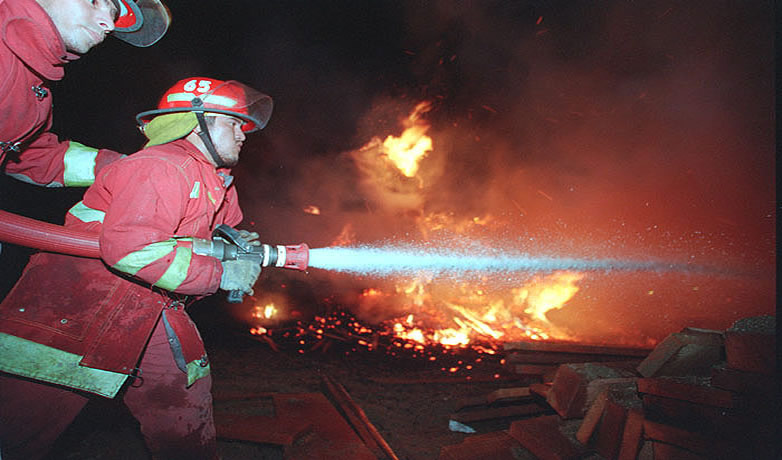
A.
pixel 192 150
pixel 30 34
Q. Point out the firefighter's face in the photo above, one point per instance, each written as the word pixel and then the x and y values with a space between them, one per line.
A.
pixel 227 137
pixel 82 24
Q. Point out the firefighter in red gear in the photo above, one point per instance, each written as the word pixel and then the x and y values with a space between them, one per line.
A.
pixel 37 39
pixel 72 328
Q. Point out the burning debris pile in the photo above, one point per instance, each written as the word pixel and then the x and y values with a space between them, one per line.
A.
pixel 341 332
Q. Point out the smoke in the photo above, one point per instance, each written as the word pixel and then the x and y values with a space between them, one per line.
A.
pixel 577 129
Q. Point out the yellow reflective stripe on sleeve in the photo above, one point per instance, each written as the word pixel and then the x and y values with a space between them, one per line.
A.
pixel 79 165
pixel 137 260
pixel 177 271
pixel 195 371
pixel 33 360
pixel 86 214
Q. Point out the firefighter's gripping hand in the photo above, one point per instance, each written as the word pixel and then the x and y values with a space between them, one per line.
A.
pixel 250 237
pixel 239 275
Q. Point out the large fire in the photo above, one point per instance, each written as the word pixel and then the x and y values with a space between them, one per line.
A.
pixel 450 314
pixel 551 145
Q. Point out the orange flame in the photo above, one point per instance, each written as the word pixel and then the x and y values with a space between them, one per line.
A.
pixel 548 294
pixel 460 318
pixel 345 237
pixel 406 151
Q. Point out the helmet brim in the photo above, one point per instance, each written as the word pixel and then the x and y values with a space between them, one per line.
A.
pixel 150 21
pixel 240 101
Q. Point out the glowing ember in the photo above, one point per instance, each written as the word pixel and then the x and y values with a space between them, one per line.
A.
pixel 406 151
pixel 265 312
pixel 311 209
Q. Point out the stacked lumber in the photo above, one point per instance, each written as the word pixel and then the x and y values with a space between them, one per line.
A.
pixel 692 402
pixel 700 394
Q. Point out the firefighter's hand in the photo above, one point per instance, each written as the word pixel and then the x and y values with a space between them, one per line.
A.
pixel 250 237
pixel 239 275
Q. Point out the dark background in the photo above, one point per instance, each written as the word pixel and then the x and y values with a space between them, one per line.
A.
pixel 630 116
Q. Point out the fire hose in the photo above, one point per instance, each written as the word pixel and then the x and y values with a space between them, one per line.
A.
pixel 226 244
pixel 32 233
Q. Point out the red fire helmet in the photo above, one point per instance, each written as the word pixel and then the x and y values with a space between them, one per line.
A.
pixel 141 22
pixel 209 95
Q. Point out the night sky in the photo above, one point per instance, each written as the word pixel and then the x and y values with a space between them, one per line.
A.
pixel 617 128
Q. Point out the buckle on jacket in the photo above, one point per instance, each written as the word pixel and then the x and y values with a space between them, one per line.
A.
pixel 175 305
pixel 14 147
pixel 40 92
pixel 136 380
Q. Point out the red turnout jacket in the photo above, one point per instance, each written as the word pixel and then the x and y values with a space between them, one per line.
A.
pixel 70 319
pixel 32 54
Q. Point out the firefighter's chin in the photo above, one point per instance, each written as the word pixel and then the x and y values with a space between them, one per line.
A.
pixel 230 160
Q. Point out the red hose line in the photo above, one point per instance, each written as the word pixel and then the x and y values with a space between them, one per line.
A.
pixel 32 233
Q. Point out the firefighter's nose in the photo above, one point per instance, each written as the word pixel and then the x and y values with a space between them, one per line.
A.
pixel 105 21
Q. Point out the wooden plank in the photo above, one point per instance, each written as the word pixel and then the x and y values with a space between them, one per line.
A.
pixel 503 395
pixel 542 437
pixel 358 419
pixel 706 418
pixel 708 446
pixel 576 385
pixel 547 357
pixel 498 413
pixel 686 391
pixel 689 352
pixel 331 437
pixel 632 436
pixel 540 389
pixel 534 369
pixel 572 347
pixel 592 419
pixel 608 438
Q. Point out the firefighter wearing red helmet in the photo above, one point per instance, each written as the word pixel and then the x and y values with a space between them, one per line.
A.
pixel 117 327
pixel 37 39
pixel 183 106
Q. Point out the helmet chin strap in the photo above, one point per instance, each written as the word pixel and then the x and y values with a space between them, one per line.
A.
pixel 205 137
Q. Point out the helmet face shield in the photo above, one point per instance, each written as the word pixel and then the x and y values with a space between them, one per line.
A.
pixel 208 95
pixel 241 101
pixel 141 23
